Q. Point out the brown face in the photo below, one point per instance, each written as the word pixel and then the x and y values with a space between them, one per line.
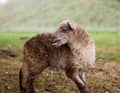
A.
pixel 61 36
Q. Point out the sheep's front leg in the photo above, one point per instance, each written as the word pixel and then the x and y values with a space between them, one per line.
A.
pixel 73 74
pixel 80 83
pixel 82 75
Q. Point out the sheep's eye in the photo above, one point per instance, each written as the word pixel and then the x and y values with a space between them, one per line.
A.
pixel 64 28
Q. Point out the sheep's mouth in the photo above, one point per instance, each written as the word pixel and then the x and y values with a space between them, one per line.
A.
pixel 57 43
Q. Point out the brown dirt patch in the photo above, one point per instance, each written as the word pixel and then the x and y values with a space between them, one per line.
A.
pixel 104 78
pixel 7 52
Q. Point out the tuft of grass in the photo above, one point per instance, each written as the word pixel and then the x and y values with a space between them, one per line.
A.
pixel 47 82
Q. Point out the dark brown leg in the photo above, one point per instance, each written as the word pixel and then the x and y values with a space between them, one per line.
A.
pixel 21 88
pixel 28 75
pixel 30 88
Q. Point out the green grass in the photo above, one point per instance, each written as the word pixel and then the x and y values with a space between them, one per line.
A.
pixel 107 43
pixel 14 38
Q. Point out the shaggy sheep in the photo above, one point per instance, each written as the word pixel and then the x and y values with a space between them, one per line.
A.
pixel 70 48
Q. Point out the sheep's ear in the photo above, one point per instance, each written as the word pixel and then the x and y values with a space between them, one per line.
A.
pixel 72 25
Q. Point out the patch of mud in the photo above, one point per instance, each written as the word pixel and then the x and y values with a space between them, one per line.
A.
pixel 24 38
pixel 7 52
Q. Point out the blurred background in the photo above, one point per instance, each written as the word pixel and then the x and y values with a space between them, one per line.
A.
pixel 34 15
pixel 22 19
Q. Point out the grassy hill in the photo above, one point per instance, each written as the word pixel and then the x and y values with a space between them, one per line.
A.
pixel 90 13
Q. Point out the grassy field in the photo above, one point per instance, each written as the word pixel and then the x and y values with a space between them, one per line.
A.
pixel 105 78
pixel 14 39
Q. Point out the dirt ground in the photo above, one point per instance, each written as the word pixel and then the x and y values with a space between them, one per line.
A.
pixel 104 78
